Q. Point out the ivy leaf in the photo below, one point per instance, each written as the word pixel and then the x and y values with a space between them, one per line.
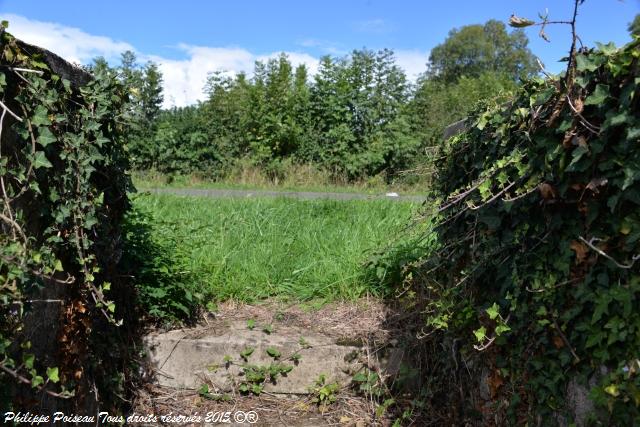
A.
pixel 631 174
pixel 501 329
pixel 41 117
pixel 28 361
pixel 45 136
pixel 584 63
pixel 52 374
pixel 37 381
pixel 480 333
pixel 612 390
pixel 599 95
pixel 41 160
pixel 493 311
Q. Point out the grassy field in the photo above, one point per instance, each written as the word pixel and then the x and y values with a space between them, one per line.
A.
pixel 292 249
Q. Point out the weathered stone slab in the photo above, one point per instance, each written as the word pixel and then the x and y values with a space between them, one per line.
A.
pixel 190 358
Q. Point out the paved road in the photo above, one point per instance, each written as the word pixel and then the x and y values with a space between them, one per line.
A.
pixel 304 195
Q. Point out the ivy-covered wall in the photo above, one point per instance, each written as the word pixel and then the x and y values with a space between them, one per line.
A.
pixel 533 293
pixel 63 195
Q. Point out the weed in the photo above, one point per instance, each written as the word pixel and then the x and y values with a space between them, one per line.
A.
pixel 254 249
pixel 324 394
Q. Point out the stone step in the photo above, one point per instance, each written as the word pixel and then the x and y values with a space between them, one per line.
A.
pixel 189 358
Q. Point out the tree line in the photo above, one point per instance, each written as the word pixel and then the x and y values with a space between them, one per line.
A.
pixel 357 117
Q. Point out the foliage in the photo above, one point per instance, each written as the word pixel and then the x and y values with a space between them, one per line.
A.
pixel 166 289
pixel 63 184
pixel 538 242
pixel 634 26
pixel 437 104
pixel 474 50
pixel 324 393
pixel 144 85
pixel 350 120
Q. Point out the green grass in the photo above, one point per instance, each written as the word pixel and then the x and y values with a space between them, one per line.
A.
pixel 292 249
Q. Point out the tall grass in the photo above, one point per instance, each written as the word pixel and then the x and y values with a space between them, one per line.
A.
pixel 291 176
pixel 258 248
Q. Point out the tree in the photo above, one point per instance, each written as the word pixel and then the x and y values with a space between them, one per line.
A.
pixel 151 97
pixel 475 49
pixel 145 101
pixel 634 26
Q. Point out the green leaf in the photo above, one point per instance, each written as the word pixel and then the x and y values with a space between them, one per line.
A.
pixel 28 360
pixel 502 328
pixel 41 117
pixel 251 324
pixel 359 378
pixel 37 381
pixel 52 374
pixel 585 63
pixel 273 352
pixel 45 136
pixel 41 161
pixel 577 155
pixel 599 95
pixel 204 390
pixel 493 311
pixel 247 352
pixel 480 333
pixel 607 49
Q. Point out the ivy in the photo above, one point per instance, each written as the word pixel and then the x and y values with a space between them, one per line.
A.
pixel 62 197
pixel 537 268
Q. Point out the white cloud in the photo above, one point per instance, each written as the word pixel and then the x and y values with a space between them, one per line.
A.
pixel 71 43
pixel 413 62
pixel 184 79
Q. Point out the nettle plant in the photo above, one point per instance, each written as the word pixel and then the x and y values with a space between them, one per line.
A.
pixel 62 197
pixel 538 258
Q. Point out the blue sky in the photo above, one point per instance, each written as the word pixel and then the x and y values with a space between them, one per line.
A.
pixel 191 38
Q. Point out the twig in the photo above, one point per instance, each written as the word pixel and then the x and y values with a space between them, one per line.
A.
pixel 500 193
pixel 591 128
pixel 486 345
pixel 15 116
pixel 589 243
pixel 520 196
pixel 572 52
pixel 25 380
pixel 566 341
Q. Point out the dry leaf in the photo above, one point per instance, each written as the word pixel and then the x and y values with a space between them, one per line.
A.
pixel 547 191
pixel 495 382
pixel 558 342
pixel 580 249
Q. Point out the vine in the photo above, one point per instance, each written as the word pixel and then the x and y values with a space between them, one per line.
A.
pixel 62 197
pixel 535 283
